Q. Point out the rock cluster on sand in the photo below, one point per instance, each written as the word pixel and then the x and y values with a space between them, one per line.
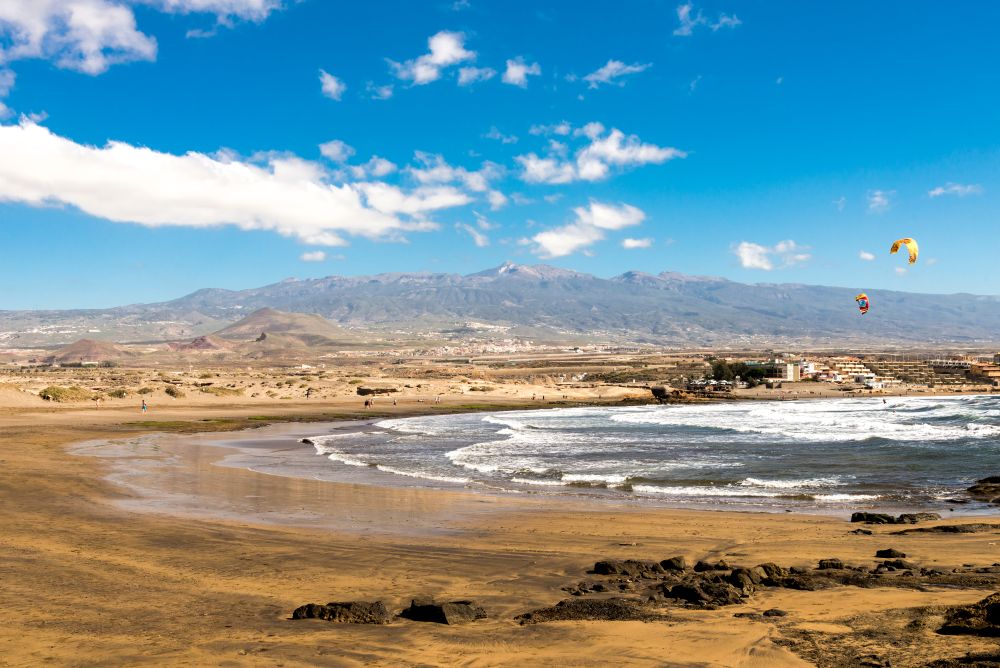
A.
pixel 605 609
pixel 352 612
pixel 363 612
pixel 979 619
pixel 882 518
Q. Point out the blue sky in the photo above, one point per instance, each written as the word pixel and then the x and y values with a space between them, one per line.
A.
pixel 152 148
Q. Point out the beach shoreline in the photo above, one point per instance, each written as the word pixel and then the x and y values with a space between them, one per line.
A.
pixel 125 587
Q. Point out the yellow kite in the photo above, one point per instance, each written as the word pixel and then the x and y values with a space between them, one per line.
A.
pixel 911 245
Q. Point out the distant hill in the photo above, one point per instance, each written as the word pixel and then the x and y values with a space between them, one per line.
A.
pixel 538 302
pixel 272 327
pixel 88 350
pixel 207 343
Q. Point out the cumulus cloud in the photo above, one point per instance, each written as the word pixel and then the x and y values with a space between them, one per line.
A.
pixel 6 84
pixel 495 133
pixel 563 128
pixel 375 167
pixel 957 189
pixel 866 256
pixel 313 256
pixel 518 71
pixel 688 20
pixel 478 238
pixel 590 226
pixel 496 199
pixel 444 50
pixel 336 150
pixel 613 70
pixel 631 244
pixel 92 35
pixel 84 35
pixel 331 86
pixel 765 258
pixel 594 161
pixel 131 184
pixel 879 201
pixel 433 169
pixel 379 92
pixel 471 75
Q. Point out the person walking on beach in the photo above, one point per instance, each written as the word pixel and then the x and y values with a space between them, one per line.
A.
pixel 144 406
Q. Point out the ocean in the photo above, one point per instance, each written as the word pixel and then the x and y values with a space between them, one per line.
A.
pixel 834 454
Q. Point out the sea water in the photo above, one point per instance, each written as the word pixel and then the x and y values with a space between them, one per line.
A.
pixel 772 455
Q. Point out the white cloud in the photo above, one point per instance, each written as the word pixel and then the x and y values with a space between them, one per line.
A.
pixel 689 20
pixel 879 201
pixel 694 83
pixel 379 92
pixel 900 271
pixel 614 69
pixel 313 256
pixel 84 35
pixel 631 244
pixel 840 203
pixel 444 50
pixel 131 184
pixel 756 256
pixel 496 199
pixel 375 167
pixel 7 78
pixel 866 256
pixel 588 228
pixel 434 169
pixel 249 10
pixel 957 189
pixel 518 71
pixel 471 75
pixel 332 87
pixel 478 238
pixel 495 133
pixel 563 128
pixel 594 161
pixel 336 150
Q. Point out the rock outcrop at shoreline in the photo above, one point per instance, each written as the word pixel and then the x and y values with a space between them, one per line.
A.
pixel 455 612
pixel 882 518
pixel 986 490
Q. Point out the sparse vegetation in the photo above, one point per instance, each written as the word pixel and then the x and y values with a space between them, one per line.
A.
pixel 117 393
pixel 174 392
pixel 145 390
pixel 65 394
pixel 221 391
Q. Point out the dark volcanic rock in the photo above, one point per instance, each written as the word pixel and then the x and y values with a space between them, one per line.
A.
pixel 890 554
pixel 744 580
pixel 991 660
pixel 772 571
pixel 350 612
pixel 673 564
pixel 913 518
pixel 987 489
pixel 976 527
pixel 703 593
pixel 455 612
pixel 862 532
pixel 899 564
pixel 979 619
pixel 873 518
pixel 631 567
pixel 703 566
pixel 606 609
pixel 832 564
pixel 775 612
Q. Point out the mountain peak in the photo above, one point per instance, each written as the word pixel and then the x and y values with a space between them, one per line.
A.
pixel 529 271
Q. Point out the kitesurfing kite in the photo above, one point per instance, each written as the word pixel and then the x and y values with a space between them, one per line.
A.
pixel 911 245
pixel 862 301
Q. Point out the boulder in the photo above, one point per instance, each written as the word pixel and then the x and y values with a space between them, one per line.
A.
pixel 899 564
pixel 979 619
pixel 772 571
pixel 351 612
pixel 674 564
pixel 744 580
pixel 890 554
pixel 830 564
pixel 629 567
pixel 872 518
pixel 987 490
pixel 605 609
pixel 703 566
pixel 455 612
pixel 775 612
pixel 703 593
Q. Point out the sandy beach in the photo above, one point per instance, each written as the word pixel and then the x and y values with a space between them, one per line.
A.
pixel 206 564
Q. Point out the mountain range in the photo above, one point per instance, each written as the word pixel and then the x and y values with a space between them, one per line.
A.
pixel 537 302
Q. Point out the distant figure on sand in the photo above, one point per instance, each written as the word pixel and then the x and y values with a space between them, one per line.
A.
pixel 144 407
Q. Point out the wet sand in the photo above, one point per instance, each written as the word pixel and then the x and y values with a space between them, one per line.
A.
pixel 94 573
